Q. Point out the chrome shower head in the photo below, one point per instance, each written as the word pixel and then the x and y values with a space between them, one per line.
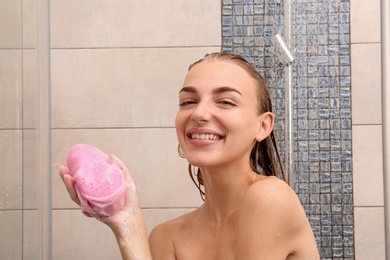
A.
pixel 282 51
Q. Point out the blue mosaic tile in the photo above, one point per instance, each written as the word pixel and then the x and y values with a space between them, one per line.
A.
pixel 345 7
pixel 345 60
pixel 227 20
pixel 238 20
pixel 226 33
pixel 227 10
pixel 248 10
pixel 322 102
pixel 238 10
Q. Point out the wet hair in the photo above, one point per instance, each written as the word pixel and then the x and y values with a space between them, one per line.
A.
pixel 264 154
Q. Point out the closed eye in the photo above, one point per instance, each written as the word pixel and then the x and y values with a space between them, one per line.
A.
pixel 187 102
pixel 227 102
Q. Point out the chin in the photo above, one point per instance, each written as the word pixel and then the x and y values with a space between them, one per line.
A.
pixel 205 163
pixel 199 162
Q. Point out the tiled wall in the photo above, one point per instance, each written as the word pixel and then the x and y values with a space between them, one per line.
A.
pixel 17 99
pixel 367 129
pixel 323 139
pixel 117 68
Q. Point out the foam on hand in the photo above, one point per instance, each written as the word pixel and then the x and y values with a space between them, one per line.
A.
pixel 100 185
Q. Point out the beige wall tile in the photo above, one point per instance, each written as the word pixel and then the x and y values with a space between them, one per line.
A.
pixel 10 169
pixel 365 21
pixel 11 234
pixel 10 24
pixel 30 171
pixel 31 232
pixel 122 23
pixel 119 87
pixel 369 233
pixel 151 155
pixel 30 18
pixel 366 83
pixel 10 88
pixel 30 88
pixel 78 237
pixel 367 165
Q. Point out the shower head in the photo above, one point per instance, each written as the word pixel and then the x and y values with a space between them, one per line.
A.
pixel 282 51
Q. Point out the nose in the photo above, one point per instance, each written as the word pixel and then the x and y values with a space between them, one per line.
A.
pixel 202 113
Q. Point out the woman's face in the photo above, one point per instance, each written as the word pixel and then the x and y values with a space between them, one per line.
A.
pixel 217 122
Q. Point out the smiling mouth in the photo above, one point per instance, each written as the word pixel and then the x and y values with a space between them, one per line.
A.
pixel 205 137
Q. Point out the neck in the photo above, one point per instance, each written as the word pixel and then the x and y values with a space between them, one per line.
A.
pixel 225 187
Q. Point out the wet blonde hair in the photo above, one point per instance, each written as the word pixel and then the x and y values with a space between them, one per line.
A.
pixel 264 154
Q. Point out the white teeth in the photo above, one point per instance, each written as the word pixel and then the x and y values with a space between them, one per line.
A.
pixel 205 136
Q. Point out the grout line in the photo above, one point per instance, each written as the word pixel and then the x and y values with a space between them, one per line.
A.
pixel 366 124
pixel 368 206
pixel 135 47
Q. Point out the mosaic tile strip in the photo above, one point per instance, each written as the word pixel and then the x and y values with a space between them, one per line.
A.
pixel 322 103
pixel 247 28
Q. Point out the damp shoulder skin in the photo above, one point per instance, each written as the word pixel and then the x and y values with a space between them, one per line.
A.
pixel 99 183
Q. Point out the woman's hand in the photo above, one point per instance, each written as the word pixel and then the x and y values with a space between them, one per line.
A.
pixel 132 204
pixel 128 224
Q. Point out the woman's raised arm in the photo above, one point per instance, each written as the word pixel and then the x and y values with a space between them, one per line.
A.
pixel 128 224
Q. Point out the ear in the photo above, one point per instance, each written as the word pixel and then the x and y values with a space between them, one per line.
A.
pixel 266 125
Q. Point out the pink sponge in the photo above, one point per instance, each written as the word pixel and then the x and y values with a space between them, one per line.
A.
pixel 100 185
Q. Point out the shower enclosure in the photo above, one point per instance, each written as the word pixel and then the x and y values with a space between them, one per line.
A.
pixel 312 103
pixel 24 130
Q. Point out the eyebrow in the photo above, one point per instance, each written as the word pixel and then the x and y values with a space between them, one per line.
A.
pixel 225 89
pixel 188 89
pixel 215 91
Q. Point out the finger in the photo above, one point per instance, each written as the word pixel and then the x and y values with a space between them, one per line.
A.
pixel 69 184
pixel 131 192
pixel 116 161
pixel 63 170
pixel 67 179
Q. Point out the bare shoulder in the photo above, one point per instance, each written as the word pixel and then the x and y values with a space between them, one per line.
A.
pixel 161 242
pixel 162 237
pixel 274 201
pixel 270 190
pixel 273 208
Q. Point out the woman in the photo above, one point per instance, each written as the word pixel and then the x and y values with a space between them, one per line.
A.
pixel 225 128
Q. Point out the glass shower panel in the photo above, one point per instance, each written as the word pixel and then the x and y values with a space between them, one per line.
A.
pixel 11 131
pixel 20 170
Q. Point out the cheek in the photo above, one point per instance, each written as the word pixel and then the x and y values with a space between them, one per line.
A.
pixel 179 119
pixel 247 127
pixel 180 124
